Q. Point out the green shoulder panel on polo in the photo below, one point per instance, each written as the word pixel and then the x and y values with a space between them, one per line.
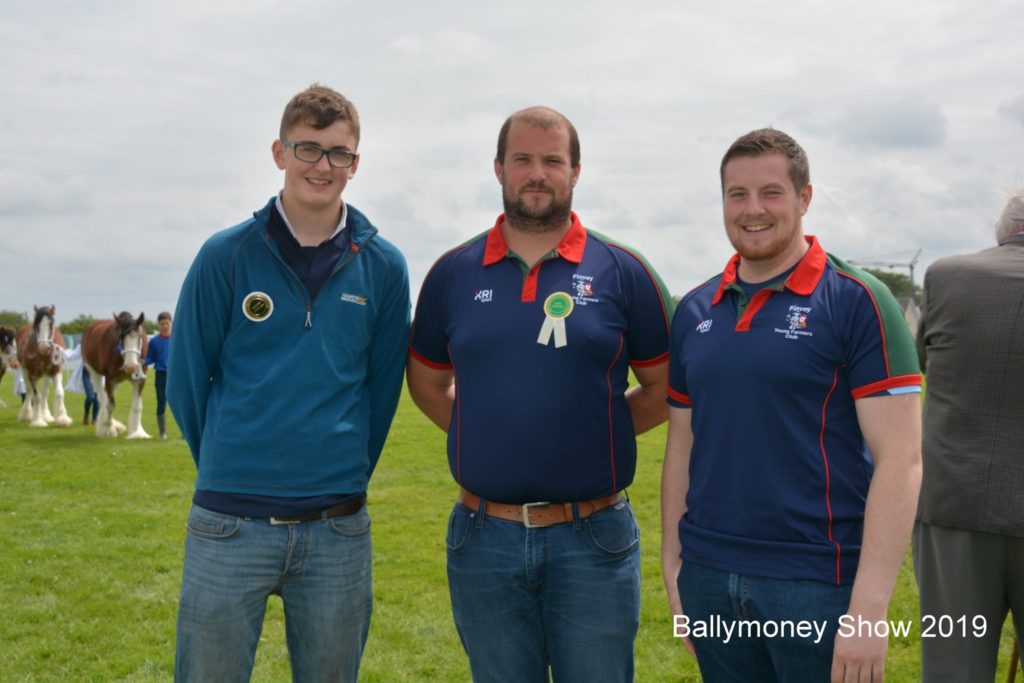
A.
pixel 666 296
pixel 899 343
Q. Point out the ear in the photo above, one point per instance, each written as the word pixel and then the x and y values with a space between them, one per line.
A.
pixel 499 171
pixel 114 316
pixel 277 149
pixel 805 198
pixel 576 174
pixel 141 319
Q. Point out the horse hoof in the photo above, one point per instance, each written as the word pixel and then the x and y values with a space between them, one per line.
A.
pixel 139 435
pixel 64 421
pixel 38 423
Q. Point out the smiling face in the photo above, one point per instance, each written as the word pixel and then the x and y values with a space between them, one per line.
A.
pixel 537 177
pixel 763 214
pixel 316 187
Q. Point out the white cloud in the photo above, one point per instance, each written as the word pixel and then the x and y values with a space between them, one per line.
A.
pixel 130 132
pixel 1014 109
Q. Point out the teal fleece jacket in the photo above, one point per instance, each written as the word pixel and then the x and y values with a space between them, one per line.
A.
pixel 277 394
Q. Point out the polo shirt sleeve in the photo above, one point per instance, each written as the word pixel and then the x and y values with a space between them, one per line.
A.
pixel 649 315
pixel 429 328
pixel 678 392
pixel 881 357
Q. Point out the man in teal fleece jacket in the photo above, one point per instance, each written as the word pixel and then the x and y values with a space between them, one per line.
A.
pixel 285 370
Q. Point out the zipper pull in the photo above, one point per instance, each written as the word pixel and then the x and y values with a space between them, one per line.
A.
pixel 309 317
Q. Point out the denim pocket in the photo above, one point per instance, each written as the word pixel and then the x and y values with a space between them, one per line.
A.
pixel 211 525
pixel 613 531
pixel 460 527
pixel 351 526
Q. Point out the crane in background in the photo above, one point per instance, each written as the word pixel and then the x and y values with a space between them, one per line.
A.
pixel 909 265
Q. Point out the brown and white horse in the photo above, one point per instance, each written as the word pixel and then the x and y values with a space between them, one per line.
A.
pixel 41 355
pixel 8 353
pixel 113 351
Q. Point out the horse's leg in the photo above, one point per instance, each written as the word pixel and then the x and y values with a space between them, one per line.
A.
pixel 25 414
pixel 116 428
pixel 3 369
pixel 44 396
pixel 135 430
pixel 103 418
pixel 38 389
pixel 62 418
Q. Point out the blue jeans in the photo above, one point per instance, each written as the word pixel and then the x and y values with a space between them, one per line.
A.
pixel 565 596
pixel 321 570
pixel 778 652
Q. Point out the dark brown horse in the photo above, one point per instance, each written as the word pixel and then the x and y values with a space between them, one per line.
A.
pixel 114 351
pixel 8 353
pixel 41 355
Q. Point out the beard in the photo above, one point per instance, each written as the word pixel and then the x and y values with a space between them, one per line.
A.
pixel 531 220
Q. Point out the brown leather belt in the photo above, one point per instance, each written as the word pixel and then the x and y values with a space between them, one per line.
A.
pixel 349 507
pixel 540 514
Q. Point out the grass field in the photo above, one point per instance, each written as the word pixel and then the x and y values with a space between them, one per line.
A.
pixel 93 534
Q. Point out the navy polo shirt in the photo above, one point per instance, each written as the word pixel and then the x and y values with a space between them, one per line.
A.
pixel 779 470
pixel 535 420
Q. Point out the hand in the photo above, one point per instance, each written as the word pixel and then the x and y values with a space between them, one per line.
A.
pixel 859 658
pixel 676 608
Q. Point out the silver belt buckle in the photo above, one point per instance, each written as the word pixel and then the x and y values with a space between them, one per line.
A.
pixel 275 521
pixel 526 514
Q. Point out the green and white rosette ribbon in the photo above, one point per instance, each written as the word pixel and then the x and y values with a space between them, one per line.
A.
pixel 557 308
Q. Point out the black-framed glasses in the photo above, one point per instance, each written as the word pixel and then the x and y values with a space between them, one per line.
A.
pixel 310 153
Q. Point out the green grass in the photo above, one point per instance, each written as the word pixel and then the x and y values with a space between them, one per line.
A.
pixel 93 533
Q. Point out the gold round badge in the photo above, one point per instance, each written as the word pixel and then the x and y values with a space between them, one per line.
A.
pixel 257 306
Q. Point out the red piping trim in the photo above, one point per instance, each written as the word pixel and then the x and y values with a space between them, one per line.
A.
pixel 611 422
pixel 889 383
pixel 679 397
pixel 878 317
pixel 429 363
pixel 458 429
pixel 650 276
pixel 828 479
pixel 657 360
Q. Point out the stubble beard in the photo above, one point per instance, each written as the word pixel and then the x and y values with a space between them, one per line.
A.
pixel 552 217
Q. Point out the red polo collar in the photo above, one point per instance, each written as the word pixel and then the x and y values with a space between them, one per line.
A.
pixel 570 248
pixel 802 280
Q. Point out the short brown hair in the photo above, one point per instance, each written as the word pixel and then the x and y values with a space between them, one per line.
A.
pixel 545 119
pixel 164 315
pixel 319 106
pixel 770 141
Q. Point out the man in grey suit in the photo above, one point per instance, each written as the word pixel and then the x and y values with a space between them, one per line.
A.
pixel 969 537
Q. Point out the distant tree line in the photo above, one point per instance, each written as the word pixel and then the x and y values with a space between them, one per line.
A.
pixel 77 326
pixel 898 284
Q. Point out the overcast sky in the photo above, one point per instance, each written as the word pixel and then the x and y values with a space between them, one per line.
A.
pixel 131 131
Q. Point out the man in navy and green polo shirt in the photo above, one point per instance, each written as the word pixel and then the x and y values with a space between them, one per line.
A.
pixel 793 461
pixel 523 339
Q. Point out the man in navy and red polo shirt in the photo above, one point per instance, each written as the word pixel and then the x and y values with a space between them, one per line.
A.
pixel 793 462
pixel 523 339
